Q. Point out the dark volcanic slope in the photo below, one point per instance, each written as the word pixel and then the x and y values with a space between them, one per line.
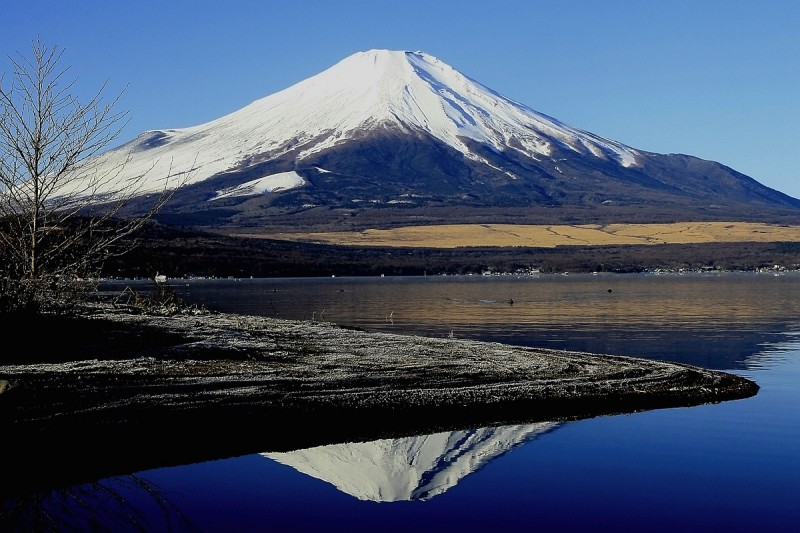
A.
pixel 390 179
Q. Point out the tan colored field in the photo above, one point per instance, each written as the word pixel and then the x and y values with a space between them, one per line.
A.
pixel 471 235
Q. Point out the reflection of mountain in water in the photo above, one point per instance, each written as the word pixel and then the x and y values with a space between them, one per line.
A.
pixel 776 354
pixel 713 348
pixel 409 468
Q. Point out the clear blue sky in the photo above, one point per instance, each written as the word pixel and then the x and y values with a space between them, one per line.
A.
pixel 717 79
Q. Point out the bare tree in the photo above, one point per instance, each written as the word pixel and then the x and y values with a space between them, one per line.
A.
pixel 59 207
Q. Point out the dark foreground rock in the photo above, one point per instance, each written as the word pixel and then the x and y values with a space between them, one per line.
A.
pixel 138 391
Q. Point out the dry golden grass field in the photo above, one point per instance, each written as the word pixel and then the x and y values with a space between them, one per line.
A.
pixel 547 236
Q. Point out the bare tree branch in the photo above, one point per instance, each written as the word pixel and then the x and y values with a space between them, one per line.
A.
pixel 59 207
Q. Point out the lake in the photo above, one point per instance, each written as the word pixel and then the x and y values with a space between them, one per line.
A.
pixel 733 466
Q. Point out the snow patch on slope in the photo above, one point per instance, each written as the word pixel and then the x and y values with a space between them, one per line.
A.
pixel 272 183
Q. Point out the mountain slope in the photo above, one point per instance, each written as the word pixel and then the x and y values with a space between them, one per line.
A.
pixel 408 135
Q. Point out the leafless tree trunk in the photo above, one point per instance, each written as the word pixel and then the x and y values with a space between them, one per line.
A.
pixel 59 212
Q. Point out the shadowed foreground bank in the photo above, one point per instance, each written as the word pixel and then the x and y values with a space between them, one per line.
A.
pixel 118 392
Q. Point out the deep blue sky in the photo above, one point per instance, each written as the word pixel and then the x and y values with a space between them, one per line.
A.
pixel 718 79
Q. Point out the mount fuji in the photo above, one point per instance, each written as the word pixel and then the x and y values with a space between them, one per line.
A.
pixel 409 468
pixel 396 137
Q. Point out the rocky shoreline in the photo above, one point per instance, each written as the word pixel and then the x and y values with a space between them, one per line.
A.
pixel 203 385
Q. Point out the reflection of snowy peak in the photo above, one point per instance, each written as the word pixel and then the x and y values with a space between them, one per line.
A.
pixel 410 468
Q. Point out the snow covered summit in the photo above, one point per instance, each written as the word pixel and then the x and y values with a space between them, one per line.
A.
pixel 399 130
pixel 404 90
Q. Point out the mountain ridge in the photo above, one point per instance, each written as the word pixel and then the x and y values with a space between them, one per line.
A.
pixel 403 132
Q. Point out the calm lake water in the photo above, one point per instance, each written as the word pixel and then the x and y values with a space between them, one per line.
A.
pixel 733 466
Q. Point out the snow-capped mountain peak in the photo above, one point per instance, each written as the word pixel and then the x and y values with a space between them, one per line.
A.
pixel 406 133
pixel 394 89
pixel 412 89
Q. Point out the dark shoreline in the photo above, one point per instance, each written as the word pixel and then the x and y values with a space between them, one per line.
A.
pixel 156 391
pixel 182 252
